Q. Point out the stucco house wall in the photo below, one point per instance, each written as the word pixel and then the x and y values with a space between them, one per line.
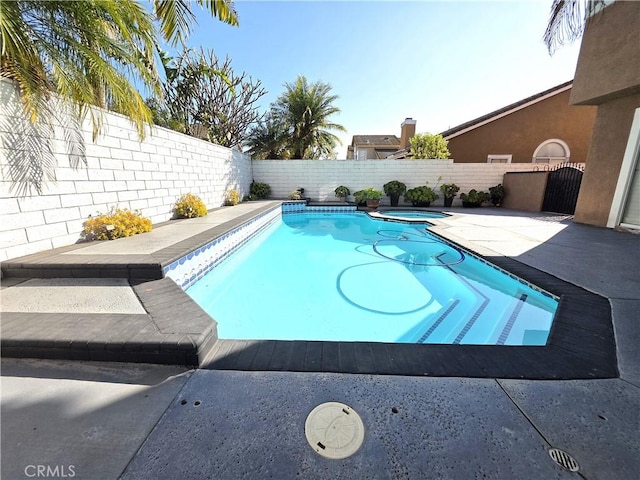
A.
pixel 524 190
pixel 520 133
pixel 609 61
pixel 608 75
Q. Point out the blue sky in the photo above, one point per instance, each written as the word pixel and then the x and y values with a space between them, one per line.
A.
pixel 441 63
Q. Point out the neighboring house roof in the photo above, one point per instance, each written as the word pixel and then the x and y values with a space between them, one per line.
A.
pixel 385 152
pixel 514 107
pixel 398 154
pixel 375 140
pixel 382 145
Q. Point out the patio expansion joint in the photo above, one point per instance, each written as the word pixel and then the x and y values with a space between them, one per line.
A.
pixel 524 414
pixel 630 383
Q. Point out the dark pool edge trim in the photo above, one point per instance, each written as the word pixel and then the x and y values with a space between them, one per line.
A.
pixel 581 343
pixel 53 264
pixel 174 330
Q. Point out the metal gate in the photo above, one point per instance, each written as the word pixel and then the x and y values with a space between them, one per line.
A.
pixel 563 186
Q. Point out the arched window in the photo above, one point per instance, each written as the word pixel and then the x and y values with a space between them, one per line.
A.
pixel 552 151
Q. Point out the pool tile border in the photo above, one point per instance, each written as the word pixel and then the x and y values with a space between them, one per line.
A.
pixel 188 269
pixel 580 346
pixel 191 267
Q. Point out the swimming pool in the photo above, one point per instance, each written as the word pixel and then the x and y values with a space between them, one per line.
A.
pixel 348 277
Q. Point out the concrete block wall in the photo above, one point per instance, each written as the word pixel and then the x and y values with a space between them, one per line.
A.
pixel 120 171
pixel 319 178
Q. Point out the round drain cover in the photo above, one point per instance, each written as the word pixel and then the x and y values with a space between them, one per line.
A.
pixel 334 430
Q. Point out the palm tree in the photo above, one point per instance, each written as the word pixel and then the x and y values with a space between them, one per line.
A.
pixel 88 51
pixel 305 110
pixel 268 140
pixel 567 21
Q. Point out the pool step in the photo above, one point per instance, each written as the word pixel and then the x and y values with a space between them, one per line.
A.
pixel 512 319
pixel 443 316
pixel 461 334
pixel 471 317
pixel 470 304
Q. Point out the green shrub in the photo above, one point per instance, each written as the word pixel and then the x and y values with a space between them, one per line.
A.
pixel 117 223
pixel 394 187
pixel 420 195
pixel 260 191
pixel 296 195
pixel 429 146
pixel 370 193
pixel 497 194
pixel 474 197
pixel 189 206
pixel 341 192
pixel 449 190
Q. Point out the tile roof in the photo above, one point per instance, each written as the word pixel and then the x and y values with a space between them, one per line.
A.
pixel 375 140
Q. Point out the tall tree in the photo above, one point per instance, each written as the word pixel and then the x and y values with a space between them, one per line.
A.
pixel 567 21
pixel 268 140
pixel 208 97
pixel 304 108
pixel 86 52
pixel 176 16
pixel 429 146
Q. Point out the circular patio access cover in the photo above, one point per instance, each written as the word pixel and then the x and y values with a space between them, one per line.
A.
pixel 334 430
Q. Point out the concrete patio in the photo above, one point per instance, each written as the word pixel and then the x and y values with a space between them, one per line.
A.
pixel 133 421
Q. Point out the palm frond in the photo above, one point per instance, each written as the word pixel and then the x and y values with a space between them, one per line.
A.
pixel 175 19
pixel 176 16
pixel 567 21
pixel 223 10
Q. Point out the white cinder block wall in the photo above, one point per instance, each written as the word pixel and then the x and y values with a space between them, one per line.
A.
pixel 320 178
pixel 150 175
pixel 121 171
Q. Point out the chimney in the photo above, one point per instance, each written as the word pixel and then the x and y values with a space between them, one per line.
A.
pixel 407 130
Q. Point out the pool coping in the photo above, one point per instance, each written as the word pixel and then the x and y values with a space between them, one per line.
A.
pixel 176 330
pixel 61 263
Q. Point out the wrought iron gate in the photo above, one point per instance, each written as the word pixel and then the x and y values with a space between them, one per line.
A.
pixel 563 186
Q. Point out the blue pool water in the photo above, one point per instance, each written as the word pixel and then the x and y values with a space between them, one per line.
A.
pixel 348 277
